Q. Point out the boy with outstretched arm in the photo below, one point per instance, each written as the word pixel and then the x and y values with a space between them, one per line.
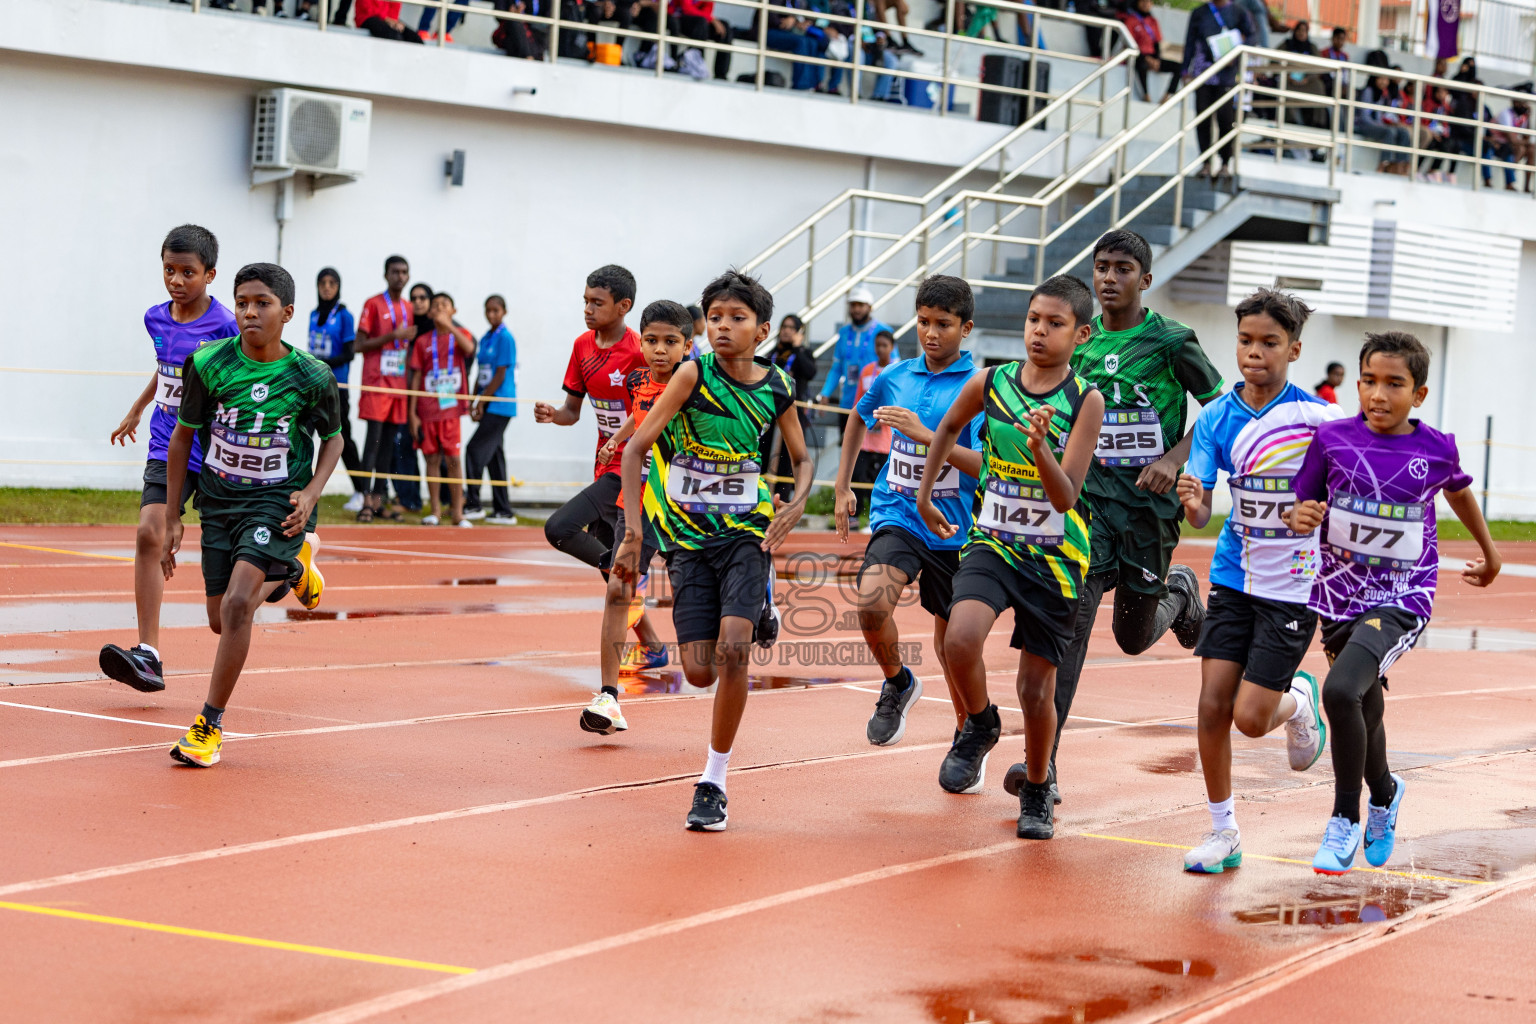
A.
pixel 1147 366
pixel 1370 481
pixel 257 403
pixel 438 358
pixel 715 519
pixel 1258 626
pixel 190 319
pixel 587 527
pixel 1028 549
pixel 665 329
pixel 910 398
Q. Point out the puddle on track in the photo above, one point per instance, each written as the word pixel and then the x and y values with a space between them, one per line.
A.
pixel 1173 764
pixel 1018 999
pixel 669 680
pixel 1485 854
pixel 1475 638
pixel 1327 910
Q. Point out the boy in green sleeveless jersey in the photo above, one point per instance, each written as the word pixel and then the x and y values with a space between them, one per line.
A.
pixel 1028 548
pixel 256 402
pixel 711 511
pixel 1146 365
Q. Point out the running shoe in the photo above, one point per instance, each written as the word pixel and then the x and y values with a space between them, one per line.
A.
pixel 766 631
pixel 965 766
pixel 311 582
pixel 708 812
pixel 1341 841
pixel 603 716
pixel 200 746
pixel 889 723
pixel 1018 774
pixel 500 520
pixel 640 658
pixel 354 503
pixel 283 589
pixel 474 513
pixel 464 523
pixel 430 520
pixel 1219 850
pixel 1182 580
pixel 1306 734
pixel 1036 813
pixel 135 666
pixel 1381 827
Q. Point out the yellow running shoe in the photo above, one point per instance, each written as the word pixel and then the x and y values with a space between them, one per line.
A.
pixel 310 584
pixel 200 746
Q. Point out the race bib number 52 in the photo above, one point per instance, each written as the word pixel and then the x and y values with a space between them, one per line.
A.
pixel 610 416
pixel 1130 437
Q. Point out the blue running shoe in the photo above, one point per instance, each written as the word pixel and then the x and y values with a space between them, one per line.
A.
pixel 1341 842
pixel 640 658
pixel 1381 827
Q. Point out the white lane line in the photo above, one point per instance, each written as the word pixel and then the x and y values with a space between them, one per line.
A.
pixel 1000 707
pixel 409 997
pixel 108 718
pixel 75 755
pixel 567 564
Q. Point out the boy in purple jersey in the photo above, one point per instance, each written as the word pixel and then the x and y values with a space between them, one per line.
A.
pixel 1371 482
pixel 190 319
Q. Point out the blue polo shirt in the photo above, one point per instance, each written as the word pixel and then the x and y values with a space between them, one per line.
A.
pixel 498 349
pixel 854 350
pixel 893 500
pixel 330 339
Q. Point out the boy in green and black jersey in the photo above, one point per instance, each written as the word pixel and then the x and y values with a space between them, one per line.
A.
pixel 256 402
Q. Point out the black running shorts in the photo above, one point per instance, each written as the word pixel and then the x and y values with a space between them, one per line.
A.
pixel 933 570
pixel 254 537
pixel 154 485
pixel 1387 633
pixel 710 583
pixel 1133 544
pixel 1268 638
pixel 1043 619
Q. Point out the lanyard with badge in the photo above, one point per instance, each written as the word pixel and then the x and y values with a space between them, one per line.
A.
pixel 446 381
pixel 1225 41
pixel 321 341
pixel 392 356
pixel 487 357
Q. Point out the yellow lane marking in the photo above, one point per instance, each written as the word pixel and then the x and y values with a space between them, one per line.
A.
pixel 243 940
pixel 1288 860
pixel 66 551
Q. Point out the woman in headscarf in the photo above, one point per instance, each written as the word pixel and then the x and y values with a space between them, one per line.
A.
pixel 1464 105
pixel 330 340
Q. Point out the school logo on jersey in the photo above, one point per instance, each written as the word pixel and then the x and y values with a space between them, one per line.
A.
pixel 1112 362
pixel 259 394
pixel 261 534
pixel 616 378
pixel 1418 468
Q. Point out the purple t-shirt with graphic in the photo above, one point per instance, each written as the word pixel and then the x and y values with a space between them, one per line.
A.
pixel 1379 532
pixel 173 343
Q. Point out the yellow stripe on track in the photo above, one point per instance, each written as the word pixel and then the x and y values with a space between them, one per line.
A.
pixel 242 940
pixel 66 551
pixel 1289 860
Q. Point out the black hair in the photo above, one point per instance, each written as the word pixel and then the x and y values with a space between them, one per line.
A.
pixel 749 291
pixel 696 312
pixel 666 311
pixel 1329 373
pixel 940 291
pixel 885 334
pixel 1334 366
pixel 1403 344
pixel 271 275
pixel 1286 310
pixel 791 318
pixel 1340 31
pixel 192 239
pixel 392 260
pixel 410 292
pixel 495 298
pixel 444 295
pixel 1072 291
pixel 1128 242
pixel 619 282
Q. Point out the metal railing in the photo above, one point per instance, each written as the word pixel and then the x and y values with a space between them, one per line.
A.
pixel 958 54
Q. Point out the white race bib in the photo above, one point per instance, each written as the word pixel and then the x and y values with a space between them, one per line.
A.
pixel 445 384
pixel 718 488
pixel 904 470
pixel 320 344
pixel 1376 533
pixel 168 387
pixel 1130 437
pixel 392 362
pixel 1258 502
pixel 1020 513
pixel 1223 43
pixel 610 416
pixel 251 460
pixel 484 374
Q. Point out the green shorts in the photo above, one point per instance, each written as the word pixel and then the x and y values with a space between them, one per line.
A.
pixel 1132 544
pixel 254 537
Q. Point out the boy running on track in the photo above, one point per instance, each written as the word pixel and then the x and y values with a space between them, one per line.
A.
pixel 665 329
pixel 587 526
pixel 715 518
pixel 1145 365
pixel 178 328
pixel 1258 627
pixel 1370 481
pixel 255 400
pixel 1028 549
pixel 910 398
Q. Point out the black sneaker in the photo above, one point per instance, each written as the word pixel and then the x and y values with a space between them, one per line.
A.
pixel 889 722
pixel 1035 812
pixel 708 813
pixel 766 631
pixel 965 766
pixel 135 666
pixel 1018 776
pixel 1182 580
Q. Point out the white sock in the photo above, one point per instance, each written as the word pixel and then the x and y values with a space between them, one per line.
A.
pixel 153 653
pixel 1222 815
pixel 1303 698
pixel 714 768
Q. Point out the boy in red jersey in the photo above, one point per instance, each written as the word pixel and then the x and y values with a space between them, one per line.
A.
pixel 438 358
pixel 585 526
pixel 384 335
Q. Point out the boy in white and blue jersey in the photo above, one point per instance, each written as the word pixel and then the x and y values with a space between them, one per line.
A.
pixel 911 397
pixel 1257 626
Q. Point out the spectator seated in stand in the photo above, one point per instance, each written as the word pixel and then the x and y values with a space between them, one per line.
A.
pixel 521 38
pixel 1510 146
pixel 1336 49
pixel 787 33
pixel 1434 133
pixel 686 19
pixel 381 19
pixel 1382 125
pixel 1144 28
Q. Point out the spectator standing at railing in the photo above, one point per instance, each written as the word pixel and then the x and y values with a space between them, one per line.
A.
pixel 1143 26
pixel 1434 133
pixel 1464 106
pixel 854 349
pixel 1335 50
pixel 1218 26
pixel 791 356
pixel 381 19
pixel 331 336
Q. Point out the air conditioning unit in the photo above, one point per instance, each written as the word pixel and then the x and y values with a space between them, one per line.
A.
pixel 310 132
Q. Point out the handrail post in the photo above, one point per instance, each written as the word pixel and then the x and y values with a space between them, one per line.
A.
pixel 949 33
pixel 1040 247
pixel 853 239
pixel 197 6
pixel 1487 460
pixel 810 263
pixel 965 242
pixel 1347 109
pixel 762 43
pixel 325 14
pixel 1178 188
pixel 1237 120
pixel 554 34
pixel 1333 135
pixel 1280 115
pixel 1478 167
pixel 1117 187
pixel 1413 143
pixel 661 37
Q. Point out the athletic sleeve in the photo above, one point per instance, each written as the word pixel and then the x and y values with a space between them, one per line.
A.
pixel 369 324
pixel 196 402
pixel 347 330
pixel 327 412
pixel 1457 479
pixel 1195 372
pixel 632 382
pixel 573 383
pixel 873 399
pixel 1311 483
pixel 506 349
pixel 418 359
pixel 1204 459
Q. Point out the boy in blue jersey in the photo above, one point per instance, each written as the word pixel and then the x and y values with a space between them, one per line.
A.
pixel 497 379
pixel 1258 626
pixel 178 328
pixel 911 396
